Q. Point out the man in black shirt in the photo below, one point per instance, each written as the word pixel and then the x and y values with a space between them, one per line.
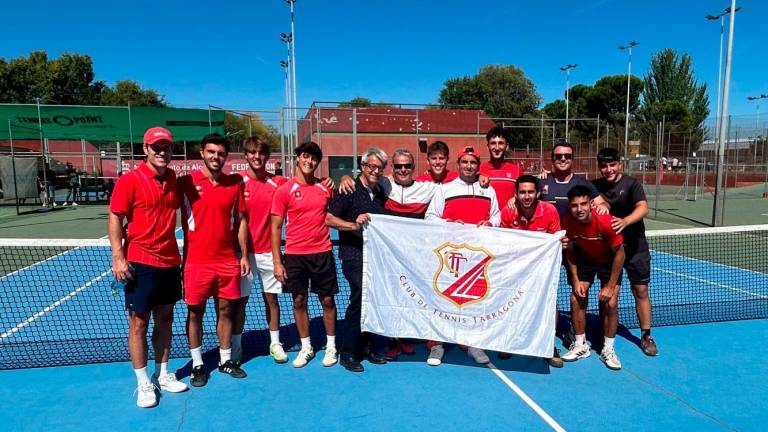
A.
pixel 628 204
pixel 368 197
pixel 556 184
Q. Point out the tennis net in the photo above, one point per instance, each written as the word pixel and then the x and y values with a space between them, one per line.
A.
pixel 56 307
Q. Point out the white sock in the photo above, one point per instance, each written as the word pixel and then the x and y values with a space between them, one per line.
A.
pixel 331 342
pixel 608 343
pixel 581 339
pixel 197 356
pixel 274 337
pixel 161 369
pixel 225 355
pixel 141 375
pixel 305 343
pixel 236 342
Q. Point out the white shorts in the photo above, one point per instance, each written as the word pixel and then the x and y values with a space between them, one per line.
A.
pixel 261 265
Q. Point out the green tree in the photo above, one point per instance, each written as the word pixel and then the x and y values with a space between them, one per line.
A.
pixel 130 92
pixel 362 102
pixel 501 91
pixel 673 94
pixel 238 126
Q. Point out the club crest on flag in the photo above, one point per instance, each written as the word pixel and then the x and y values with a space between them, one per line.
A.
pixel 462 273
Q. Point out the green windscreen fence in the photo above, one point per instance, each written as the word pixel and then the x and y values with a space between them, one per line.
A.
pixel 122 124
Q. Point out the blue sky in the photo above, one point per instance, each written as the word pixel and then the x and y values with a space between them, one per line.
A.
pixel 226 53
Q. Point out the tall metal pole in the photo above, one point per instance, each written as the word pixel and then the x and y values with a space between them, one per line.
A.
pixel 567 69
pixel 720 17
pixel 43 151
pixel 629 81
pixel 717 216
pixel 293 72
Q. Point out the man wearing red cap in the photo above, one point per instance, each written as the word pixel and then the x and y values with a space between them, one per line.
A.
pixel 147 258
pixel 463 200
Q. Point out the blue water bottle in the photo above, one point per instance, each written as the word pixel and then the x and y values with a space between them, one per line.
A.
pixel 117 286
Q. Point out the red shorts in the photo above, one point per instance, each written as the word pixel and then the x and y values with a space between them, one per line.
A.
pixel 202 281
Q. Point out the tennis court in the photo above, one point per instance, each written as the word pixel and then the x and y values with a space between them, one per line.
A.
pixel 56 309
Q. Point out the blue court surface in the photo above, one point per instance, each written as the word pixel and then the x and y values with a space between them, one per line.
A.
pixel 708 377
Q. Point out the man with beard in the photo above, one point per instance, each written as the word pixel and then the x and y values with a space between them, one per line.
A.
pixel 531 214
pixel 463 200
pixel 556 184
pixel 629 206
pixel 214 222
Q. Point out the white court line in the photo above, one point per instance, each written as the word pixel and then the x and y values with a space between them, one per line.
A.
pixel 51 307
pixel 704 281
pixel 43 261
pixel 709 263
pixel 530 402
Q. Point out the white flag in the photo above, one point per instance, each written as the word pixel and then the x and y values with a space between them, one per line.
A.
pixel 489 288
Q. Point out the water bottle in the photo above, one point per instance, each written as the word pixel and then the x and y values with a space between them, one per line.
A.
pixel 117 286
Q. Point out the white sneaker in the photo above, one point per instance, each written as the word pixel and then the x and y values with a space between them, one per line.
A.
pixel 478 355
pixel 303 357
pixel 146 395
pixel 576 352
pixel 331 357
pixel 611 360
pixel 65 204
pixel 277 353
pixel 74 204
pixel 436 355
pixel 168 382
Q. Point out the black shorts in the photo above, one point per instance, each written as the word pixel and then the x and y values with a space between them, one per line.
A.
pixel 588 270
pixel 152 286
pixel 319 269
pixel 637 262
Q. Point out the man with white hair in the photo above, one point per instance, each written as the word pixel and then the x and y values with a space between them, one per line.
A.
pixel 368 197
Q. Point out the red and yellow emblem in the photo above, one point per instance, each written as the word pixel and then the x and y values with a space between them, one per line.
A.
pixel 462 273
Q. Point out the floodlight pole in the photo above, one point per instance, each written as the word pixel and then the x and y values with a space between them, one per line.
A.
pixel 628 47
pixel 293 70
pixel 756 100
pixel 720 17
pixel 567 70
pixel 717 215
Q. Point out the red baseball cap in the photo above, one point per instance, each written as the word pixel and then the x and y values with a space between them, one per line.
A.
pixel 155 134
pixel 469 150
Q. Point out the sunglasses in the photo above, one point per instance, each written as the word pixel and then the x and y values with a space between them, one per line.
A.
pixel 566 156
pixel 156 148
pixel 403 166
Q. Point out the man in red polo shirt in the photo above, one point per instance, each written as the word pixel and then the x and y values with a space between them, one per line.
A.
pixel 437 157
pixel 215 224
pixel 147 257
pixel 502 174
pixel 595 249
pixel 530 214
pixel 260 187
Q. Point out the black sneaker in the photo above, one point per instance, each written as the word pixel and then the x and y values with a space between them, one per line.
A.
pixel 350 364
pixel 232 369
pixel 199 376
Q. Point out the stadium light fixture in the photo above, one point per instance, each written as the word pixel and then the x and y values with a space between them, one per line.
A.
pixel 720 17
pixel 567 69
pixel 628 47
